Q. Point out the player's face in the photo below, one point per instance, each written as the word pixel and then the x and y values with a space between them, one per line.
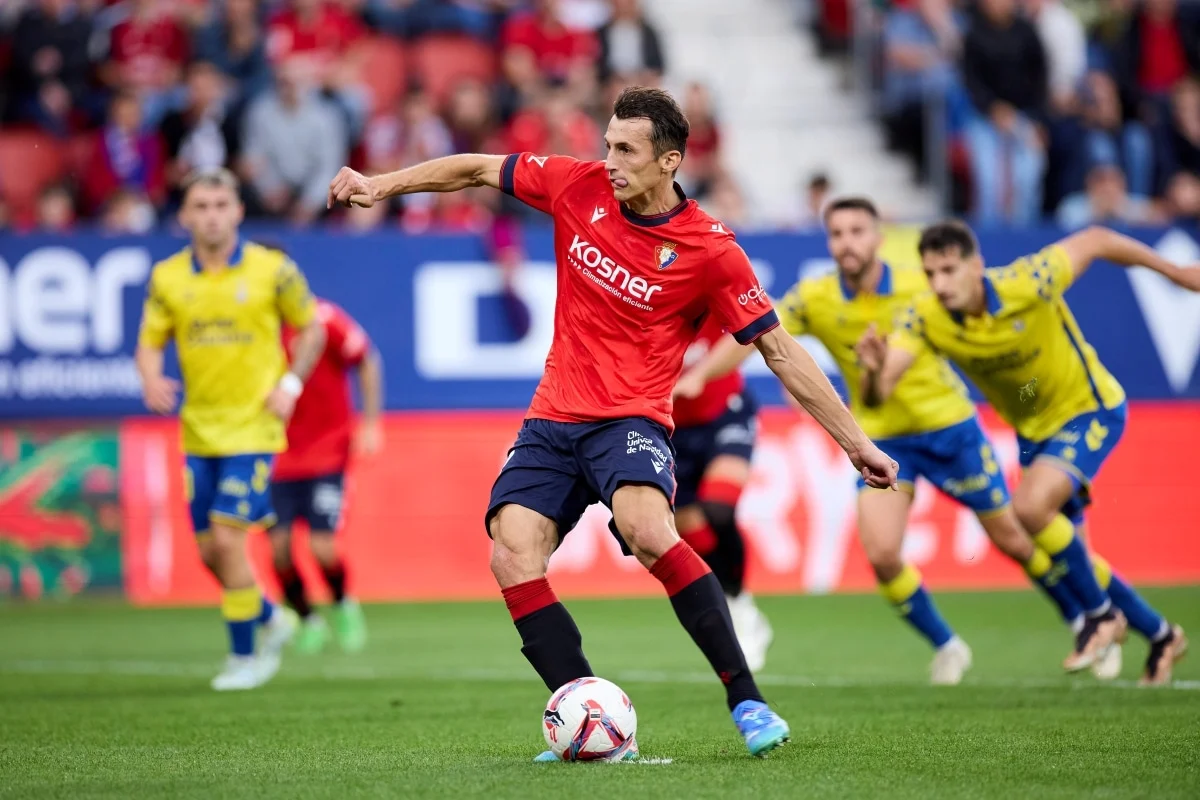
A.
pixel 211 214
pixel 853 237
pixel 956 280
pixel 632 168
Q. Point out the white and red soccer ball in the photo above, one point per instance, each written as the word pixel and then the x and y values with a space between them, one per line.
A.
pixel 590 719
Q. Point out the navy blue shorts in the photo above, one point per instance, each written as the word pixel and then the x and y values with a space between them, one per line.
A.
pixel 696 447
pixel 317 501
pixel 558 469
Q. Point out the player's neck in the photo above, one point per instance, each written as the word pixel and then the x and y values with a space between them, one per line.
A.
pixel 659 200
pixel 867 280
pixel 212 259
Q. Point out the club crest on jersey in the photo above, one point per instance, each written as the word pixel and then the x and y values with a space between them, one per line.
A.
pixel 665 255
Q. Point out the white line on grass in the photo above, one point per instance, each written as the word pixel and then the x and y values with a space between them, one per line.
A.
pixel 484 675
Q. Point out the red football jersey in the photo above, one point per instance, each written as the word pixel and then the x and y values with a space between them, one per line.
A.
pixel 714 400
pixel 321 429
pixel 632 292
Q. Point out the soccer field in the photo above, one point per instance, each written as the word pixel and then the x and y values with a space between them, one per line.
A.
pixel 107 701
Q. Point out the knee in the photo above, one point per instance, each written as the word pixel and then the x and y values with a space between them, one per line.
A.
pixel 208 552
pixel 322 548
pixel 884 556
pixel 1009 537
pixel 227 543
pixel 520 552
pixel 648 536
pixel 1035 510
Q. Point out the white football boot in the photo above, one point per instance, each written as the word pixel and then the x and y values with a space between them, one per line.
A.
pixel 950 663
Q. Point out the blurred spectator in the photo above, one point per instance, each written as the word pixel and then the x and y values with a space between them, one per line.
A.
pixel 725 202
pixel 816 194
pixel 127 212
pixel 409 135
pixel 702 164
pixel 1181 148
pixel 125 156
pixel 1065 45
pixel 51 69
pixel 147 51
pixel 235 43
pixel 557 126
pixel 630 50
pixel 921 45
pixel 293 142
pixel 1161 44
pixel 537 47
pixel 1106 201
pixel 413 18
pixel 470 117
pixel 1183 197
pixel 56 209
pixel 319 38
pixel 1004 67
pixel 200 136
pixel 1108 138
pixel 585 14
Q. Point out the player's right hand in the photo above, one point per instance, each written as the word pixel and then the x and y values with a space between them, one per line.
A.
pixel 871 349
pixel 877 468
pixel 689 387
pixel 349 184
pixel 159 394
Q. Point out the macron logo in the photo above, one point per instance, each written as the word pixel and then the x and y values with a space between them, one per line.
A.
pixel 598 214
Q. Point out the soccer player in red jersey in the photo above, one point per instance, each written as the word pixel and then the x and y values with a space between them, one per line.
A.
pixel 715 427
pixel 309 479
pixel 640 269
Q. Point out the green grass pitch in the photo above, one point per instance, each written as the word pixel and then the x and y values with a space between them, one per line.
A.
pixel 102 700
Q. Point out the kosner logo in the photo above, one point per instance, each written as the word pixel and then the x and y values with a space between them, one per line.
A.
pixel 609 274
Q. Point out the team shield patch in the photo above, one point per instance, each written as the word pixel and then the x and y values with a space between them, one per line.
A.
pixel 665 255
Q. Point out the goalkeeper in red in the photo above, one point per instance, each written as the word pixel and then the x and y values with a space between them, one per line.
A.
pixel 640 269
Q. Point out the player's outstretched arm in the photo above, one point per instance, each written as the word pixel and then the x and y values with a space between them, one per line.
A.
pixel 448 174
pixel 792 364
pixel 723 358
pixel 1098 242
pixel 369 438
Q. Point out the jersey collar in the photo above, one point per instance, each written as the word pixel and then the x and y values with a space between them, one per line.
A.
pixel 235 259
pixel 991 301
pixel 883 289
pixel 653 220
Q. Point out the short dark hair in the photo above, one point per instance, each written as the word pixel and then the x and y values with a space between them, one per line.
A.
pixel 668 126
pixel 213 178
pixel 942 236
pixel 853 203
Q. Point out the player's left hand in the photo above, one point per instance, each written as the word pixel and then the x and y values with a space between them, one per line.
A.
pixel 689 387
pixel 281 403
pixel 368 439
pixel 871 349
pixel 877 468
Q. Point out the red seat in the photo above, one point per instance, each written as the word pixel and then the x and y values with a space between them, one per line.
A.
pixel 29 162
pixel 442 61
pixel 385 72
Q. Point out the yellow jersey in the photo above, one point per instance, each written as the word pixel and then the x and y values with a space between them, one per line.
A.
pixel 226 328
pixel 929 397
pixel 1026 353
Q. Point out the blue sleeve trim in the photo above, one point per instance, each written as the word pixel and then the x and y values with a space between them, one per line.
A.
pixel 508 175
pixel 766 322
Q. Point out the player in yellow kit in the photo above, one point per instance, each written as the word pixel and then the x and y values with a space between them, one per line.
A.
pixel 222 302
pixel 928 424
pixel 1010 331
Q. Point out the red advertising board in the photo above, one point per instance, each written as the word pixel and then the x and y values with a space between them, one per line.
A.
pixel 414 524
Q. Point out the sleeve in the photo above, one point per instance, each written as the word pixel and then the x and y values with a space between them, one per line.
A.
pixel 908 334
pixel 736 297
pixel 1048 274
pixel 157 319
pixel 537 181
pixel 293 299
pixel 793 313
pixel 345 336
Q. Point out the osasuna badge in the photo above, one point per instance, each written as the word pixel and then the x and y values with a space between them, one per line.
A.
pixel 665 255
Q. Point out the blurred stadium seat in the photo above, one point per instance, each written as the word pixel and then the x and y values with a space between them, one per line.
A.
pixel 442 61
pixel 29 161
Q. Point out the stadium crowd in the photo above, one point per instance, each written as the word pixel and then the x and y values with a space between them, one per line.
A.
pixel 1085 114
pixel 1078 110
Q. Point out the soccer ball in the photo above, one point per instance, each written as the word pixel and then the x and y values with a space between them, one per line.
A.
pixel 590 719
